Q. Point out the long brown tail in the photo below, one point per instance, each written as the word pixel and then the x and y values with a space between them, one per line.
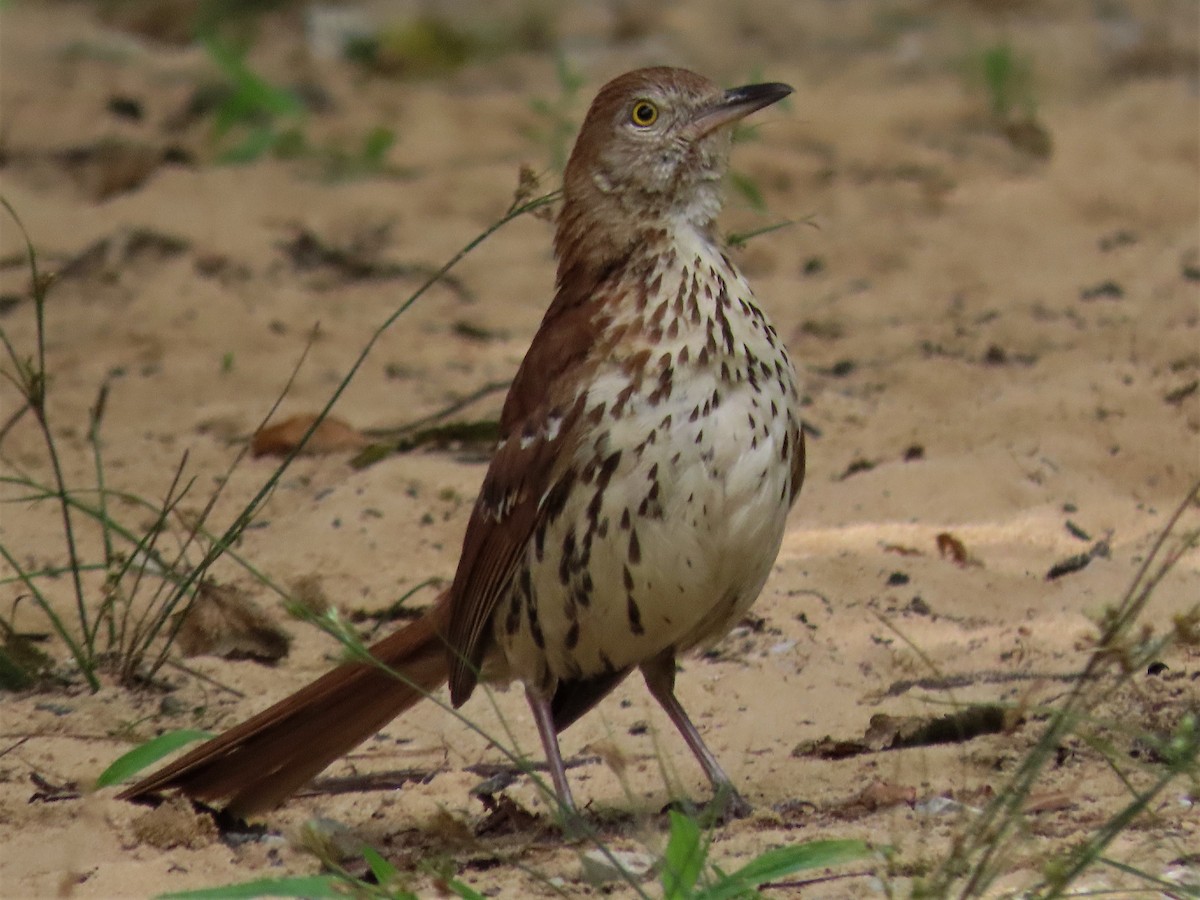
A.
pixel 259 763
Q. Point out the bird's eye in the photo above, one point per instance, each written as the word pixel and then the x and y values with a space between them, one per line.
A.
pixel 644 114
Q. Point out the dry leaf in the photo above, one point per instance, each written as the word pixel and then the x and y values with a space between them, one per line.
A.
pixel 883 794
pixel 949 545
pixel 1048 801
pixel 329 437
pixel 901 550
pixel 223 621
pixel 308 591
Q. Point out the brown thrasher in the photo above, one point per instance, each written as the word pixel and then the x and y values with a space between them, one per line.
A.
pixel 636 502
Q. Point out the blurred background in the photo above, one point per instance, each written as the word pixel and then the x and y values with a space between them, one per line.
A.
pixel 976 224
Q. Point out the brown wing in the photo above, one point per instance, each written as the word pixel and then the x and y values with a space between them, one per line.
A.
pixel 540 427
pixel 798 461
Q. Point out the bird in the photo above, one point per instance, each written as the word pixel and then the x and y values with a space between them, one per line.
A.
pixel 650 450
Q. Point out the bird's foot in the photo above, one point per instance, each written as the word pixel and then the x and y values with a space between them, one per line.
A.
pixel 726 806
pixel 574 827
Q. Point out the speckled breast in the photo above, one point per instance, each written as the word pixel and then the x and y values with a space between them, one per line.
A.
pixel 678 494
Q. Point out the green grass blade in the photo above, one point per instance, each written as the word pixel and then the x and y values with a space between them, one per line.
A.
pixel 463 890
pixel 784 861
pixel 741 238
pixel 52 572
pixel 82 659
pixel 748 188
pixel 383 870
pixel 258 141
pixel 148 754
pixel 683 859
pixel 306 887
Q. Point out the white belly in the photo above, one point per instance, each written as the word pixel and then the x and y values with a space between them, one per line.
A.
pixel 675 545
pixel 666 545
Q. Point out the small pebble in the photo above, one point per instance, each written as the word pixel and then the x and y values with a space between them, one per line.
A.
pixel 940 806
pixel 598 867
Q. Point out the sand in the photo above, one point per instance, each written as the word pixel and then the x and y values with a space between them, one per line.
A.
pixel 995 343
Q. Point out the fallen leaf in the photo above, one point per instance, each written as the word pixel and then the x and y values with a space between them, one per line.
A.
pixel 308 591
pixel 886 732
pixel 883 794
pixel 111 166
pixel 224 621
pixel 49 792
pixel 330 436
pixel 949 545
pixel 1048 801
pixel 109 257
pixel 1079 560
pixel 504 816
pixel 901 550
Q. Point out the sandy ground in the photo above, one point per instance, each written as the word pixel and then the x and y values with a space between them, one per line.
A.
pixel 993 343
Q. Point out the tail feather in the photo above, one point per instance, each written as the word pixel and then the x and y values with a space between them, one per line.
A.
pixel 256 765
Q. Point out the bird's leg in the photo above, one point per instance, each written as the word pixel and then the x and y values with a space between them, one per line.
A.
pixel 659 673
pixel 544 716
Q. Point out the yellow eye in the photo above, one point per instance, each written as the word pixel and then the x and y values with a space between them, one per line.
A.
pixel 644 114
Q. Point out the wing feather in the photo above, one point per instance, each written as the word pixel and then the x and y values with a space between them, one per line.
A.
pixel 542 425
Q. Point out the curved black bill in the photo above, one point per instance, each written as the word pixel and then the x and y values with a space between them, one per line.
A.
pixel 737 103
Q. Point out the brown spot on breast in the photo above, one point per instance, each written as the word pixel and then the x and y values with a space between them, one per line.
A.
pixel 635 616
pixel 607 468
pixel 513 620
pixel 663 391
pixel 618 408
pixel 650 507
pixel 568 557
pixel 635 365
pixel 660 313
pixel 594 507
pixel 726 328
pixel 556 500
pixel 535 628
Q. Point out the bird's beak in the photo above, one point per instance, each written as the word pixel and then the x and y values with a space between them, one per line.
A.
pixel 735 104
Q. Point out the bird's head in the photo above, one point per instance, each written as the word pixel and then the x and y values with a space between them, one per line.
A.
pixel 650 155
